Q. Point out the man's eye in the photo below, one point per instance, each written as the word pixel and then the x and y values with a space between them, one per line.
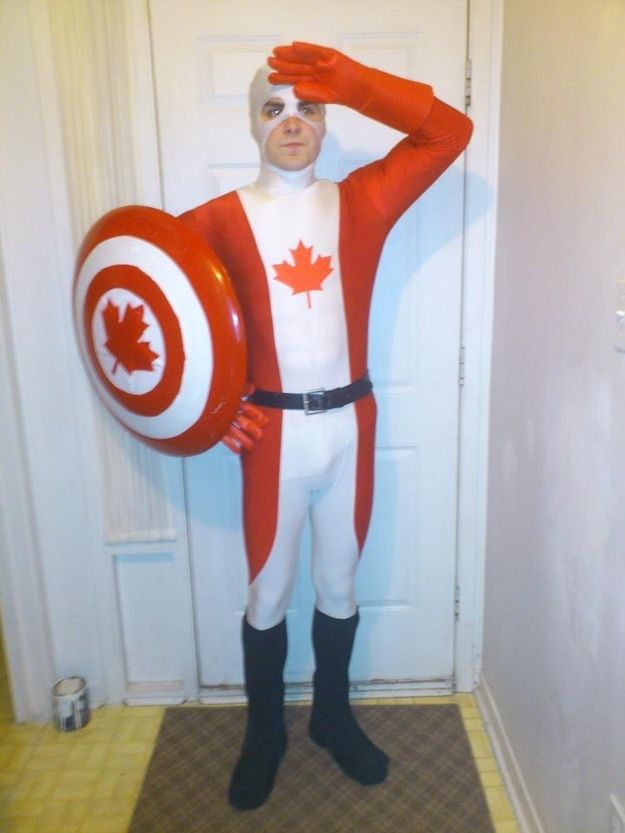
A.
pixel 271 111
pixel 310 109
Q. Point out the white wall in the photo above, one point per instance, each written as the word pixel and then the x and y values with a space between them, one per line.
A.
pixel 45 558
pixel 90 519
pixel 554 653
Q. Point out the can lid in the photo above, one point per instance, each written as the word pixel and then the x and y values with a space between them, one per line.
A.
pixel 67 686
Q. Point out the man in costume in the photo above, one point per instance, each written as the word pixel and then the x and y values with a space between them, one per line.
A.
pixel 303 254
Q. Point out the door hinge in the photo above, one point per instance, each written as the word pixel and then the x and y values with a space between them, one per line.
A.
pixel 468 87
pixel 461 368
pixel 457 603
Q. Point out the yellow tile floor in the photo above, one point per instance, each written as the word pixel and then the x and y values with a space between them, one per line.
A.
pixel 88 781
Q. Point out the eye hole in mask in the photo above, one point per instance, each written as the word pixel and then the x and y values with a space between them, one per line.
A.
pixel 276 110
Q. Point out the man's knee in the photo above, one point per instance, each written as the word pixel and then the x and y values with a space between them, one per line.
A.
pixel 265 607
pixel 336 598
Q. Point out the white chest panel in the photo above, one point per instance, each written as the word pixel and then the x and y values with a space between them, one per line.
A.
pixel 297 236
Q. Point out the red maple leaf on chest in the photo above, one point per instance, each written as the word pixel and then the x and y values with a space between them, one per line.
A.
pixel 123 338
pixel 303 275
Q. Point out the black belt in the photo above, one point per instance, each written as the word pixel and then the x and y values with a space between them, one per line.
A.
pixel 314 401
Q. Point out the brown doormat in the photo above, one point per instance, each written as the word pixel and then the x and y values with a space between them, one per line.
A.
pixel 433 784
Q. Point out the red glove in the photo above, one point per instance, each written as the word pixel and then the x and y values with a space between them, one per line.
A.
pixel 318 73
pixel 324 75
pixel 246 428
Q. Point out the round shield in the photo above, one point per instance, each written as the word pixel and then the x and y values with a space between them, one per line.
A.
pixel 159 329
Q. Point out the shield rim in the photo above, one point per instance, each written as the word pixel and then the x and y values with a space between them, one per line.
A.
pixel 218 302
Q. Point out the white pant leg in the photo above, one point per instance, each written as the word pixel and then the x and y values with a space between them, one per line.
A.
pixel 270 592
pixel 317 473
pixel 335 545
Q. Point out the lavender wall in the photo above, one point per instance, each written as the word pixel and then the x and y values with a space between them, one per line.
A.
pixel 554 652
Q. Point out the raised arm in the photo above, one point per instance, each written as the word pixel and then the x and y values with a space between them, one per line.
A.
pixel 436 132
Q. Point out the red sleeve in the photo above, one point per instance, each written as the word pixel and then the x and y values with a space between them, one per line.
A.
pixel 393 183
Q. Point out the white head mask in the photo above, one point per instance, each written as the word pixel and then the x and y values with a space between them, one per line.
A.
pixel 261 91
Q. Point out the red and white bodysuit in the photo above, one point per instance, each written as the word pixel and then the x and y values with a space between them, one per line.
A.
pixel 303 254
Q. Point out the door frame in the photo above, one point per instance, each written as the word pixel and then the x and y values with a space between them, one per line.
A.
pixel 484 47
pixel 29 650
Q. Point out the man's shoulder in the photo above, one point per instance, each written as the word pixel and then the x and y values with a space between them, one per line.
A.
pixel 211 208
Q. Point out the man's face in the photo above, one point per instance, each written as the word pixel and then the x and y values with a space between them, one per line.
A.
pixel 295 141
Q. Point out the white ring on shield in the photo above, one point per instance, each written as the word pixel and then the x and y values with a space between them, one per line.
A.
pixel 197 341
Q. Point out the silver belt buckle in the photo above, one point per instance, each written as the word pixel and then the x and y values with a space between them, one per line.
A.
pixel 309 401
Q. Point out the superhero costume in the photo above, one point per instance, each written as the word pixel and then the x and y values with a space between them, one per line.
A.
pixel 303 255
pixel 321 346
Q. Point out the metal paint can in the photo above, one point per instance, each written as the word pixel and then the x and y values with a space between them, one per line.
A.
pixel 70 704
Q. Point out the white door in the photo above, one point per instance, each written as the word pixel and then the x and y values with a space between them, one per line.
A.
pixel 205 52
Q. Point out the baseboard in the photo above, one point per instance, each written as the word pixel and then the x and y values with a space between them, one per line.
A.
pixel 518 793
pixel 302 692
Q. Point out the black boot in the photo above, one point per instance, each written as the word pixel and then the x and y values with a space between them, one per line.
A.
pixel 264 654
pixel 332 724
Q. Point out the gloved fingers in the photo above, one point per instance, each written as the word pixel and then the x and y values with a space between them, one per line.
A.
pixel 248 427
pixel 311 51
pixel 231 444
pixel 318 73
pixel 314 91
pixel 254 413
pixel 242 439
pixel 283 66
pixel 308 90
pixel 286 77
pixel 303 57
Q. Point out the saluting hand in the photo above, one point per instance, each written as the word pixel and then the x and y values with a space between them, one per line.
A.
pixel 318 73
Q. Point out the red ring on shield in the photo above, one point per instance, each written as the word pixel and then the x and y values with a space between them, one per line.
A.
pixel 181 320
pixel 133 279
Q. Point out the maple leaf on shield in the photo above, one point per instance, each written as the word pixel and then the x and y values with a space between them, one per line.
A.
pixel 123 338
pixel 303 275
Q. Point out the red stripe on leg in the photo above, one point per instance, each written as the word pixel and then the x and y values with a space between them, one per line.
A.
pixel 261 474
pixel 366 412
